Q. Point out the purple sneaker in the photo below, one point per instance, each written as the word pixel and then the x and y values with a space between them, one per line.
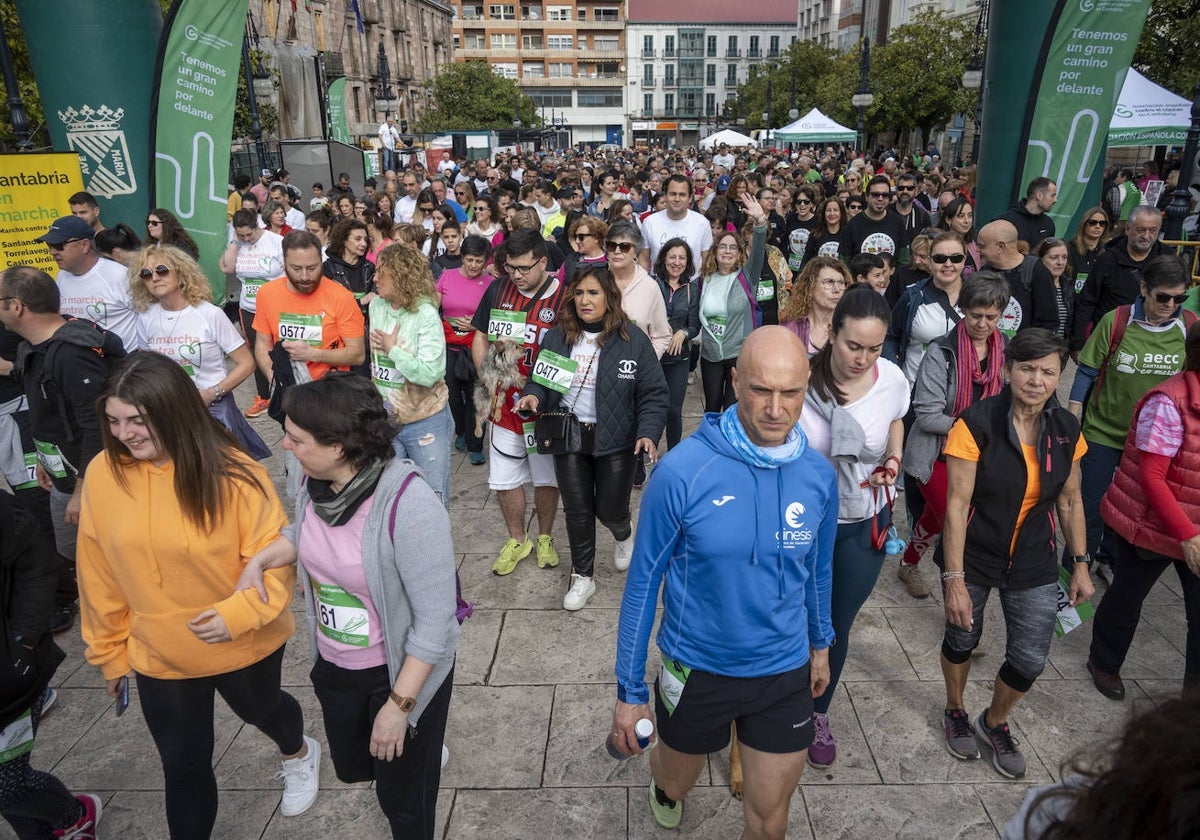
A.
pixel 960 735
pixel 823 751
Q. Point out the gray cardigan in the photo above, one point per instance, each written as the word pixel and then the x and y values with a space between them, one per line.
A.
pixel 932 401
pixel 412 583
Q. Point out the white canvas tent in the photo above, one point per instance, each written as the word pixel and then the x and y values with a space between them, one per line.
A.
pixel 814 127
pixel 727 136
pixel 1148 115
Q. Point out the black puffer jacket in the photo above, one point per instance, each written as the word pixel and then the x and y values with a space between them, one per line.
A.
pixel 631 390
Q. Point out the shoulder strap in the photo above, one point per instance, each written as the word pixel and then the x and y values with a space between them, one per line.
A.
pixel 1120 324
pixel 1027 266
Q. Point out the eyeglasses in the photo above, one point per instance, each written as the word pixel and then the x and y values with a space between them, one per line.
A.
pixel 619 247
pixel 906 189
pixel 482 207
pixel 579 237
pixel 880 194
pixel 941 259
pixel 522 270
pixel 727 246
pixel 153 222
pixel 425 209
pixel 1162 298
pixel 1096 223
pixel 160 270
pixel 832 282
pixel 58 246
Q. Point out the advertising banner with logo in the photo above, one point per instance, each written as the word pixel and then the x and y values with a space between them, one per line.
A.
pixel 33 193
pixel 94 66
pixel 339 129
pixel 199 61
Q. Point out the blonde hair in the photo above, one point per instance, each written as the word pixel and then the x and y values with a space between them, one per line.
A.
pixel 410 234
pixel 193 285
pixel 409 273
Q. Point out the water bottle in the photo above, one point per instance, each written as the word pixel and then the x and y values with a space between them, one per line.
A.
pixel 894 545
pixel 644 728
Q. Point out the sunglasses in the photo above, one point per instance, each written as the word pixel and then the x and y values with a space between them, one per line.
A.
pixel 906 189
pixel 153 222
pixel 1162 298
pixel 1096 223
pixel 160 270
pixel 619 247
pixel 941 259
pixel 880 195
pixel 579 237
pixel 803 201
pixel 58 246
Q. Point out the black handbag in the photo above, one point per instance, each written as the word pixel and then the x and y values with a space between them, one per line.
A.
pixel 560 432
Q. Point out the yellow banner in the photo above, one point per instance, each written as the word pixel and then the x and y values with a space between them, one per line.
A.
pixel 34 189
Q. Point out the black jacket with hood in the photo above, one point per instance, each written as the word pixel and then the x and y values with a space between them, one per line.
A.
pixel 1115 280
pixel 1032 228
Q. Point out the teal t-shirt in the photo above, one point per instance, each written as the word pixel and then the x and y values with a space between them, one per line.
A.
pixel 1146 356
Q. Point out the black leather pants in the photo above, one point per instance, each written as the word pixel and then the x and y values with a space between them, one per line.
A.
pixel 594 488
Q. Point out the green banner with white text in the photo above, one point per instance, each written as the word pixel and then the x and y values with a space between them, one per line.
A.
pixel 339 129
pixel 1085 56
pixel 199 61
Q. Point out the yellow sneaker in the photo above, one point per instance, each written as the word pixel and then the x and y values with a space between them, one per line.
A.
pixel 547 554
pixel 512 553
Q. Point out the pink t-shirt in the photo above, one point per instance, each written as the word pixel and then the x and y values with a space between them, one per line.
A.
pixel 1159 427
pixel 460 299
pixel 349 630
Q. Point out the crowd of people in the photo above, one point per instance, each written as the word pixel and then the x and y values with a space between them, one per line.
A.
pixel 858 334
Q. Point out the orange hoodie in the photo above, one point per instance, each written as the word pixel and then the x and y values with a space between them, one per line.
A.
pixel 145 571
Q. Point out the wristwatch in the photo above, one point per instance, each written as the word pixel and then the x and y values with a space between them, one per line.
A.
pixel 1081 558
pixel 406 704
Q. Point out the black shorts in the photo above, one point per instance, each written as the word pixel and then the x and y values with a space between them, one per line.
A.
pixel 773 713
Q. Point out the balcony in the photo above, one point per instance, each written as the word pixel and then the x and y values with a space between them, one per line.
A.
pixel 582 80
pixel 733 53
pixel 688 52
pixel 753 53
pixel 668 83
pixel 729 83
pixel 648 53
pixel 772 53
pixel 668 53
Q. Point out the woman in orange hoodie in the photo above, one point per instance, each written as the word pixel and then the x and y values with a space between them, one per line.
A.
pixel 170 516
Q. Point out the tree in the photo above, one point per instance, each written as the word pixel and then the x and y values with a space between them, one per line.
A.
pixel 39 133
pixel 467 96
pixel 1166 52
pixel 809 61
pixel 917 75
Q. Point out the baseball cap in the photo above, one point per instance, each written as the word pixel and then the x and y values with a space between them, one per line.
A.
pixel 66 228
pixel 565 192
pixel 783 164
pixel 267 173
pixel 723 183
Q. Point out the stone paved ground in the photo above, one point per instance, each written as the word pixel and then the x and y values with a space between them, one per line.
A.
pixel 532 703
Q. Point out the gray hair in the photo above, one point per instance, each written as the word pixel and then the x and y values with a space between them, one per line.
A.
pixel 984 289
pixel 627 230
pixel 1145 210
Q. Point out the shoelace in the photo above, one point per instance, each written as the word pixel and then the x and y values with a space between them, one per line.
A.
pixel 821 729
pixel 1002 738
pixel 80 831
pixel 960 726
pixel 297 773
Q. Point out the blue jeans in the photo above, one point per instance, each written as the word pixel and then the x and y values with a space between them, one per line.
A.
pixel 427 443
pixel 1096 470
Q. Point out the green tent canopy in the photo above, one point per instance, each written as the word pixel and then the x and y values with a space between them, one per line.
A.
pixel 1148 115
pixel 814 127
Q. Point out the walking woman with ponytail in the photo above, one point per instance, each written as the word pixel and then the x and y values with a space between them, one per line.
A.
pixel 853 415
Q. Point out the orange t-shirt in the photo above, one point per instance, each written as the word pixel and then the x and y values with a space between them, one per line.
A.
pixel 325 319
pixel 960 443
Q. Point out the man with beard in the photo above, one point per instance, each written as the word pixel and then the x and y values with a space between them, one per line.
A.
pixel 879 228
pixel 1115 278
pixel 1030 217
pixel 916 219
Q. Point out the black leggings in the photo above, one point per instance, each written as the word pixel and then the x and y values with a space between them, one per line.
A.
pixel 462 396
pixel 179 715
pixel 260 381
pixel 717 378
pixel 594 487
pixel 677 382
pixel 406 786
pixel 33 802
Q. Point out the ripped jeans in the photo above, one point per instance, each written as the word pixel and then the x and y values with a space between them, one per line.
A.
pixel 427 443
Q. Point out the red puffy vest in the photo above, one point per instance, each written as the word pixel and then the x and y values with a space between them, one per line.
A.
pixel 1125 508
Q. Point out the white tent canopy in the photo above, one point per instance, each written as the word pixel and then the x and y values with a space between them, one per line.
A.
pixel 814 127
pixel 729 137
pixel 1148 115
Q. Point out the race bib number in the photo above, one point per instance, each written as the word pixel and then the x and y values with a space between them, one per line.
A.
pixel 716 327
pixel 30 481
pixel 51 459
pixel 554 371
pixel 527 429
pixel 764 291
pixel 671 681
pixel 505 325
pixel 306 328
pixel 341 616
pixel 1068 618
pixel 16 739
pixel 383 371
pixel 250 287
pixel 1080 281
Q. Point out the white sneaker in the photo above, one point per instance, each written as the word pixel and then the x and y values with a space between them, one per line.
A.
pixel 445 756
pixel 623 553
pixel 577 596
pixel 301 778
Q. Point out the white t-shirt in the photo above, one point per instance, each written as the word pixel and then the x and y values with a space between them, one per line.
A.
pixel 445 166
pixel 294 218
pixel 725 160
pixel 406 205
pixel 886 401
pixel 929 323
pixel 256 264
pixel 102 295
pixel 197 338
pixel 388 135
pixel 583 391
pixel 692 229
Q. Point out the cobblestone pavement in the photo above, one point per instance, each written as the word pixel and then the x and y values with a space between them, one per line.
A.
pixel 534 694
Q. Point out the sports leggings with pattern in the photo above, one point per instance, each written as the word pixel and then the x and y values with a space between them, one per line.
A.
pixel 34 802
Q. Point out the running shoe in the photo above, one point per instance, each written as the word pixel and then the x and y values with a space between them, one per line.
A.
pixel 667 812
pixel 460 442
pixel 63 618
pixel 910 575
pixel 623 553
pixel 512 554
pixel 301 778
pixel 577 596
pixel 1006 758
pixel 547 554
pixel 1110 685
pixel 960 735
pixel 476 458
pixel 85 828
pixel 48 701
pixel 257 408
pixel 823 751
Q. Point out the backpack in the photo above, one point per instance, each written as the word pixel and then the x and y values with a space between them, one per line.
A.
pixel 1026 271
pixel 80 333
pixel 1120 324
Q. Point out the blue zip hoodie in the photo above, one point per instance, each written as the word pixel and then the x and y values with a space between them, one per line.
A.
pixel 747 557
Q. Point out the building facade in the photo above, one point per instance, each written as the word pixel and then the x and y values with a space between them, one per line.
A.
pixel 818 21
pixel 686 58
pixel 569 57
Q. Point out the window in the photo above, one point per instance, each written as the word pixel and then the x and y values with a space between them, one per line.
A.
pixel 669 103
pixel 710 104
pixel 609 14
pixel 606 43
pixel 560 70
pixel 560 42
pixel 457 41
pixel 691 44
pixel 607 70
pixel 358 104
pixel 730 75
pixel 497 12
pixel 581 14
pixel 558 13
pixel 551 99
pixel 472 12
pixel 505 69
pixel 753 51
pixel 600 99
pixel 732 49
pixel 669 75
pixel 531 13
pixel 648 75
pixel 668 46
pixel 687 104
pixel 711 51
pixel 504 41
pixel 532 42
pixel 648 46
pixel 689 74
pixel 647 104
pixel 773 50
pixel 474 41
pixel 533 69
pixel 710 75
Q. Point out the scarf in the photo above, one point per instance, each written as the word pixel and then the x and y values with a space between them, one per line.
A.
pixel 337 508
pixel 771 458
pixel 969 374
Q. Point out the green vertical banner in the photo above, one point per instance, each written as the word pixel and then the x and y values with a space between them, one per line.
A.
pixel 198 65
pixel 1084 53
pixel 339 129
pixel 94 67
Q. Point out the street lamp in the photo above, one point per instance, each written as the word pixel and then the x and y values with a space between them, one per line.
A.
pixel 972 77
pixel 1181 199
pixel 251 91
pixel 767 113
pixel 793 112
pixel 385 97
pixel 16 108
pixel 863 98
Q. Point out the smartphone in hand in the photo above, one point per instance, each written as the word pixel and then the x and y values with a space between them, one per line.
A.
pixel 122 696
